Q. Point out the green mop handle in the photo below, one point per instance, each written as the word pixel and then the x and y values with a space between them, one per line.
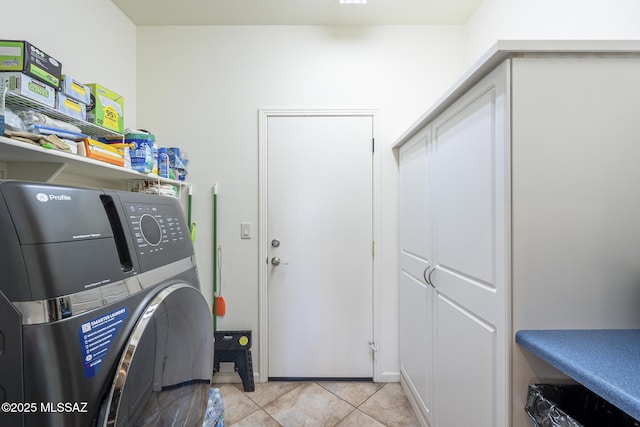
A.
pixel 215 258
pixel 189 207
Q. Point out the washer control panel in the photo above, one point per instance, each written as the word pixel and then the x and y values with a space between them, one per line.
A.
pixel 157 228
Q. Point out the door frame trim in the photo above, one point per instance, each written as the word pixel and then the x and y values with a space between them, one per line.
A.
pixel 263 300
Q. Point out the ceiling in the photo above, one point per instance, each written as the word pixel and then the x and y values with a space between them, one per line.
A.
pixel 297 12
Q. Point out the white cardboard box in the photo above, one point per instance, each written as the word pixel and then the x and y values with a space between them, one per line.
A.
pixel 28 87
pixel 74 89
pixel 70 106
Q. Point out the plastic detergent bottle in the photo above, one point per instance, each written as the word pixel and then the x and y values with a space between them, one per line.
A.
pixel 154 150
pixel 163 163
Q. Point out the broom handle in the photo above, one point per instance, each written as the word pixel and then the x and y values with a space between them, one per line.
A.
pixel 189 203
pixel 215 255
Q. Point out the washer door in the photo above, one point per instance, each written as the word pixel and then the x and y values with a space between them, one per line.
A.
pixel 164 374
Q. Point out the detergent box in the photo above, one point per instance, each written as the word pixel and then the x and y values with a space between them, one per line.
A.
pixel 142 151
pixel 24 57
pixel 74 89
pixel 28 87
pixel 106 108
pixel 103 152
pixel 70 106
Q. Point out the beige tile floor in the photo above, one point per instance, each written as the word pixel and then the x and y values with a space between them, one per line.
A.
pixel 317 404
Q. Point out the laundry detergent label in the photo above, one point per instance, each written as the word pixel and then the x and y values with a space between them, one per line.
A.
pixel 96 337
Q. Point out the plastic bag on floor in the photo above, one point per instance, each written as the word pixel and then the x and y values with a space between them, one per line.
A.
pixel 572 406
pixel 214 417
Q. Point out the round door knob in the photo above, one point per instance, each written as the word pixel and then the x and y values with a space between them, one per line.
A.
pixel 276 261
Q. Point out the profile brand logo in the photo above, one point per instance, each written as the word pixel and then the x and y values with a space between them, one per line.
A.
pixel 41 197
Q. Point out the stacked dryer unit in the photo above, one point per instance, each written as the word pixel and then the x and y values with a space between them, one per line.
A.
pixel 102 322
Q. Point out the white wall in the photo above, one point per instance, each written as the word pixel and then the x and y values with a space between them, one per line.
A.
pixel 94 41
pixel 549 19
pixel 200 88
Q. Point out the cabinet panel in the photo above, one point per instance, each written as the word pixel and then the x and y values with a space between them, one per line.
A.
pixel 414 198
pixel 576 201
pixel 416 345
pixel 576 204
pixel 466 368
pixel 463 189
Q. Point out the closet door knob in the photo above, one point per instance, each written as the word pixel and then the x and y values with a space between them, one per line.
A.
pixel 427 276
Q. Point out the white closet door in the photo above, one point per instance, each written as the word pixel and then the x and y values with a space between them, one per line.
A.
pixel 416 297
pixel 470 206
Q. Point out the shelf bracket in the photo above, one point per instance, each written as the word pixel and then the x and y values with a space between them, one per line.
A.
pixel 34 171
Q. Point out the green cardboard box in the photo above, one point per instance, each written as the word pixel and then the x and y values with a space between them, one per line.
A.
pixel 22 56
pixel 106 108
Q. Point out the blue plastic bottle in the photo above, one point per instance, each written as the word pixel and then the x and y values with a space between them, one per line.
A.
pixel 163 163
pixel 154 151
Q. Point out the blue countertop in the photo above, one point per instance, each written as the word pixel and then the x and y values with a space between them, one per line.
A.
pixel 606 361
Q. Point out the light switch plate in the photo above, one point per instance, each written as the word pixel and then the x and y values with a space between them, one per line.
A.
pixel 245 230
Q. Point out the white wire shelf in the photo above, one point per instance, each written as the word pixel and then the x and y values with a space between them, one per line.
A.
pixel 14 100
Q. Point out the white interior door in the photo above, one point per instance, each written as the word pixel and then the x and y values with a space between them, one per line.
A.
pixel 320 227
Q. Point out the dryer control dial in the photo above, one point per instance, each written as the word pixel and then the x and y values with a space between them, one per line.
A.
pixel 150 229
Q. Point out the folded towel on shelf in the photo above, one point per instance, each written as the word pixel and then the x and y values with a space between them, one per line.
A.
pixel 30 117
pixel 62 133
pixel 48 141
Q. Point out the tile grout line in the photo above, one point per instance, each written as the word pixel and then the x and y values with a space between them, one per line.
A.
pixel 261 407
pixel 353 407
pixel 346 416
pixel 369 398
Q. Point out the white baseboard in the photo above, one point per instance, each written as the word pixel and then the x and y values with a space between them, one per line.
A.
pixel 227 375
pixel 389 377
pixel 414 401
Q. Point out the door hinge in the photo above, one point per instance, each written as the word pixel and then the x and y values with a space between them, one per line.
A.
pixel 373 145
pixel 373 248
pixel 373 350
